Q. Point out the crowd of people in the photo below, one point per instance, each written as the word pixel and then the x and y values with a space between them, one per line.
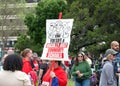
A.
pixel 28 69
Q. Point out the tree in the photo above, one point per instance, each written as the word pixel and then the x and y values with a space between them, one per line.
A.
pixel 46 9
pixel 96 21
pixel 10 18
pixel 25 41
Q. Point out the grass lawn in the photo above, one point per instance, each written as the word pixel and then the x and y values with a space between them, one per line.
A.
pixel 70 82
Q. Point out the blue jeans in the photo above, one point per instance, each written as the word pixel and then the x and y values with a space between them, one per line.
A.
pixel 85 82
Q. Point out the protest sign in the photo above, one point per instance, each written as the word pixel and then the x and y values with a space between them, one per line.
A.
pixel 57 39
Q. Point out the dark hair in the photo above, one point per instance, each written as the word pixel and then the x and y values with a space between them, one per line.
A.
pixel 13 62
pixel 77 62
pixel 59 63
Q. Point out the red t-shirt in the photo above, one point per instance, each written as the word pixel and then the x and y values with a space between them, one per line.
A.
pixel 26 66
pixel 60 74
pixel 36 64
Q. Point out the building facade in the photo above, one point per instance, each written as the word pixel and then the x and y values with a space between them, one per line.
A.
pixel 12 24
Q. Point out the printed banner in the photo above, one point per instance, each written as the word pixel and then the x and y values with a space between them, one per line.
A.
pixel 57 39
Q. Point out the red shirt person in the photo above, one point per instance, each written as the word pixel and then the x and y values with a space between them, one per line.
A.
pixel 27 68
pixel 35 62
pixel 55 77
pixel 26 54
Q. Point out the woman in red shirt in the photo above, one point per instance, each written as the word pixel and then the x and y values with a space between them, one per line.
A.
pixel 27 68
pixel 26 54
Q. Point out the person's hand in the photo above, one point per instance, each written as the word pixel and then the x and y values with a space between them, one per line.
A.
pixel 117 74
pixel 45 83
pixel 77 72
pixel 52 74
pixel 80 75
pixel 118 69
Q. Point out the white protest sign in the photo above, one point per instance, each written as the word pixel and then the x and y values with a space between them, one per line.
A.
pixel 57 39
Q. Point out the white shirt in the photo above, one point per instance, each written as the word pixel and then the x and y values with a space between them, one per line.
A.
pixel 17 78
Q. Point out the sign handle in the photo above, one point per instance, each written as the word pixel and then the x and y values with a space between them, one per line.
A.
pixel 53 62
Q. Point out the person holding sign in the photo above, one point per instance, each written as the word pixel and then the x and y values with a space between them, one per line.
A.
pixel 55 75
pixel 56 49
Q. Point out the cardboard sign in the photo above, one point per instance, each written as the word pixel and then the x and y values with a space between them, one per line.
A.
pixel 57 39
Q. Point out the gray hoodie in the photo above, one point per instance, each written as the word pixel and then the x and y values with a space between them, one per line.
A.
pixel 107 76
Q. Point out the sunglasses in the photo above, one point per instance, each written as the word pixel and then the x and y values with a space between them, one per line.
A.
pixel 80 56
pixel 114 54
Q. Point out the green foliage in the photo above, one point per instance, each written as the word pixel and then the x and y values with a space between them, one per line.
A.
pixel 23 42
pixel 95 22
pixel 70 82
pixel 36 23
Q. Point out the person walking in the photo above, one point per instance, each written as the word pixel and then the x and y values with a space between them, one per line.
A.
pixel 81 71
pixel 42 71
pixel 27 68
pixel 115 46
pixel 35 63
pixel 107 77
pixel 87 58
pixel 12 74
pixel 26 57
pixel 8 53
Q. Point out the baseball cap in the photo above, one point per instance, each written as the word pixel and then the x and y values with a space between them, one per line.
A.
pixel 110 51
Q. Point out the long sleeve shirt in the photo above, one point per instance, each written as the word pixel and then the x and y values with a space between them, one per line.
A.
pixel 107 76
pixel 84 69
pixel 60 75
pixel 26 66
pixel 16 78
